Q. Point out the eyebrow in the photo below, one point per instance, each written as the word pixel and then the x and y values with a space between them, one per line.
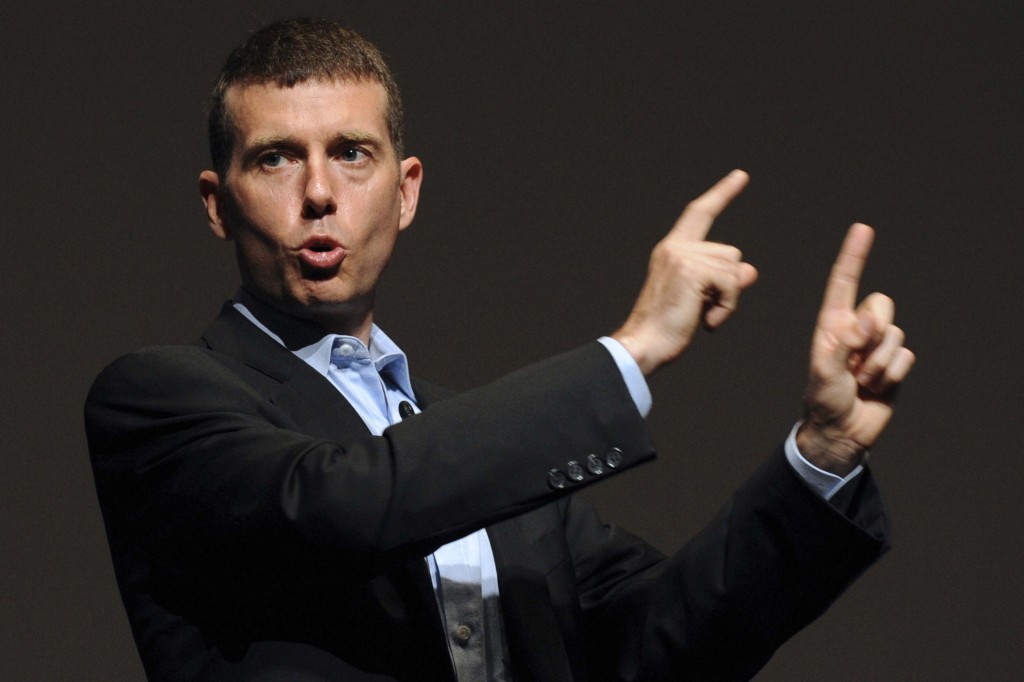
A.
pixel 357 136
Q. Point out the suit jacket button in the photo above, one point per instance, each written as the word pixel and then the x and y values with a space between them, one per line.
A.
pixel 575 471
pixel 613 458
pixel 556 479
pixel 595 465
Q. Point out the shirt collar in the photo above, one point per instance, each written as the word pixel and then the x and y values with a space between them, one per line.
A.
pixel 387 358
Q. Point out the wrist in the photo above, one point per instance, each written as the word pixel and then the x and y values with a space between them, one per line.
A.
pixel 638 350
pixel 828 450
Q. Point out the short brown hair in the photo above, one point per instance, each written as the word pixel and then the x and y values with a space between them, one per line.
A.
pixel 295 51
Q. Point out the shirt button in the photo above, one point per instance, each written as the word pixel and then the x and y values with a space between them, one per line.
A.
pixel 346 349
pixel 462 634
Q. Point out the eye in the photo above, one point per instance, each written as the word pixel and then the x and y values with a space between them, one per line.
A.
pixel 272 160
pixel 352 154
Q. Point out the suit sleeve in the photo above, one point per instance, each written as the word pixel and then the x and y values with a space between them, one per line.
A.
pixel 203 472
pixel 773 559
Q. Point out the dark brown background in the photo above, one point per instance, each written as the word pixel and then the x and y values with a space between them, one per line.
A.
pixel 559 144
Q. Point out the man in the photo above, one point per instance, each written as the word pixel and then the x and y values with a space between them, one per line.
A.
pixel 277 507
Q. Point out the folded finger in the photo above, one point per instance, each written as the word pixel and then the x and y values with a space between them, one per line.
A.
pixel 876 362
pixel 900 366
pixel 881 307
pixel 723 296
pixel 895 372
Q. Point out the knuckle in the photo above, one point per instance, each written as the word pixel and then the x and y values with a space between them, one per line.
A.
pixel 666 251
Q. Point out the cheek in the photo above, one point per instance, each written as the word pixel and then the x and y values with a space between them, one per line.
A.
pixel 259 241
pixel 263 222
pixel 270 208
pixel 377 213
pixel 385 246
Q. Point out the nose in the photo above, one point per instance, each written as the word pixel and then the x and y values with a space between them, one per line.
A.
pixel 318 195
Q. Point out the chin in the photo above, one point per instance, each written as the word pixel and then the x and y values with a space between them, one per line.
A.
pixel 335 303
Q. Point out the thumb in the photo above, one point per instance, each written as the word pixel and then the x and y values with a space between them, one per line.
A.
pixel 748 275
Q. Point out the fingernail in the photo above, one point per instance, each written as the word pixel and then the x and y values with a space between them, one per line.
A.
pixel 864 324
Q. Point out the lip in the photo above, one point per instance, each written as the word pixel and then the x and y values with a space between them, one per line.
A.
pixel 321 252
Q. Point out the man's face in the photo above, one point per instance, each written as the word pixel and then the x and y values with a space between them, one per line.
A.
pixel 314 196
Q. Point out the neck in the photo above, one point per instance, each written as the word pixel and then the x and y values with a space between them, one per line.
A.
pixel 303 326
pixel 360 329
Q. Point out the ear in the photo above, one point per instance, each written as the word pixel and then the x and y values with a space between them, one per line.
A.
pixel 211 190
pixel 409 188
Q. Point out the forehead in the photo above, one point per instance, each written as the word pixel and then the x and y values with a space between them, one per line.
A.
pixel 313 109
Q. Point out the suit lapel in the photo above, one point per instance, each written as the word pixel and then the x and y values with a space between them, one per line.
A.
pixel 300 391
pixel 427 394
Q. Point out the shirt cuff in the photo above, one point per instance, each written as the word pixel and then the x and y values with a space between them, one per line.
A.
pixel 821 481
pixel 631 374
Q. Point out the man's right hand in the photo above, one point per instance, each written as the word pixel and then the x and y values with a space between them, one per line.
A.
pixel 690 281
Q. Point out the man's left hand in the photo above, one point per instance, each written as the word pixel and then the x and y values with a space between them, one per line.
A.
pixel 857 361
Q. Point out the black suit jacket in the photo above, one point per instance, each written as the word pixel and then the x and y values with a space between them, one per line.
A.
pixel 259 531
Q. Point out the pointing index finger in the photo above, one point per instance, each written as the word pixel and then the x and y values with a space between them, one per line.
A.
pixel 696 220
pixel 844 280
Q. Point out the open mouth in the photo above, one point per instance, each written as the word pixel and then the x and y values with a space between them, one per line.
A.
pixel 321 253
